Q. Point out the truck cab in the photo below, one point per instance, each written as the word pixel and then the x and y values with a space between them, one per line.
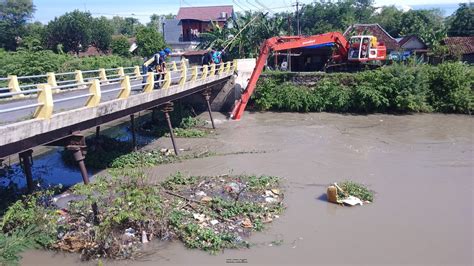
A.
pixel 363 48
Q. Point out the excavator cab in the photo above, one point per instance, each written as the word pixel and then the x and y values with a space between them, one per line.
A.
pixel 364 48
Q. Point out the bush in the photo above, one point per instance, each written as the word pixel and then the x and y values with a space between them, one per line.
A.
pixel 451 88
pixel 120 46
pixel 396 88
pixel 24 63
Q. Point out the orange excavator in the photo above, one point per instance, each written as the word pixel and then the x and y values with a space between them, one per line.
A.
pixel 361 50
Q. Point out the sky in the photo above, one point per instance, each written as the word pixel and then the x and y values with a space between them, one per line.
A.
pixel 47 10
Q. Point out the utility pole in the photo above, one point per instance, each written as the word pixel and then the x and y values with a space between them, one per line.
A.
pixel 298 18
pixel 288 52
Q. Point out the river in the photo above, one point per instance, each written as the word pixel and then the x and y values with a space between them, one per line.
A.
pixel 421 167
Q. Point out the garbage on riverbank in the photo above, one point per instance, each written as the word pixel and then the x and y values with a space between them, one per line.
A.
pixel 349 193
pixel 114 217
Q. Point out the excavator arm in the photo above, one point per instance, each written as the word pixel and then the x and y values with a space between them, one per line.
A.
pixel 285 43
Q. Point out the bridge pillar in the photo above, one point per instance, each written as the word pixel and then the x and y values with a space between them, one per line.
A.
pixel 207 95
pixel 166 109
pixel 132 128
pixel 26 161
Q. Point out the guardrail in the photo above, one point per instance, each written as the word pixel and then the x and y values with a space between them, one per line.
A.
pixel 123 76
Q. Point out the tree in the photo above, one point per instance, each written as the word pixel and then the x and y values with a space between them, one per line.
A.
pixel 462 22
pixel 101 35
pixel 120 46
pixel 13 17
pixel 149 41
pixel 427 24
pixel 389 18
pixel 72 30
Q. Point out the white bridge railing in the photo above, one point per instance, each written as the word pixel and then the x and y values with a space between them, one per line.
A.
pixel 122 80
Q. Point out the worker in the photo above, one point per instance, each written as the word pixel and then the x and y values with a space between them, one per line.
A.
pixel 157 63
pixel 284 66
pixel 207 58
pixel 216 57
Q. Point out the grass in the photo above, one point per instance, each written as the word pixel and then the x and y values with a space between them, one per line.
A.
pixel 355 189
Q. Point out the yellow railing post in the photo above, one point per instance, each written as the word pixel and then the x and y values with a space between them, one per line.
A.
pixel 184 73
pixel 79 78
pixel 14 86
pixel 221 69
pixel 205 71
pixel 52 80
pixel 234 65
pixel 94 89
pixel 167 80
pixel 137 72
pixel 194 74
pixel 150 79
pixel 45 99
pixel 173 66
pixel 120 72
pixel 227 67
pixel 126 89
pixel 213 70
pixel 102 74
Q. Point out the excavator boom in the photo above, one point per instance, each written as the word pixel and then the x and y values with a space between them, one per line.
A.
pixel 285 43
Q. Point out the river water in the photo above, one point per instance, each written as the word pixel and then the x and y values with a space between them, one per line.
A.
pixel 421 167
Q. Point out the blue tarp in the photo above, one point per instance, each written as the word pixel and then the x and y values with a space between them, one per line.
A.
pixel 319 45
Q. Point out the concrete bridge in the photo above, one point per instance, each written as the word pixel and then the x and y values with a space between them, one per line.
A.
pixel 53 109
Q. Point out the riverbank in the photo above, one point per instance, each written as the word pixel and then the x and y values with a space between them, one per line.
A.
pixel 408 160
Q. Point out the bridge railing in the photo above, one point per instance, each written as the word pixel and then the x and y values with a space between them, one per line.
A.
pixel 122 80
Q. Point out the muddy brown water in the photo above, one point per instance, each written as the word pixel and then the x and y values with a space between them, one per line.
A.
pixel 421 167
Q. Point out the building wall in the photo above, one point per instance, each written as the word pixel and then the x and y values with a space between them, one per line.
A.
pixel 192 28
pixel 413 44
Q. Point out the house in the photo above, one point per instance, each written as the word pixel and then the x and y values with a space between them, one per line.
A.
pixel 182 33
pixel 410 45
pixel 461 46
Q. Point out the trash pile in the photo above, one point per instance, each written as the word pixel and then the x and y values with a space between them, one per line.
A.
pixel 208 213
pixel 349 193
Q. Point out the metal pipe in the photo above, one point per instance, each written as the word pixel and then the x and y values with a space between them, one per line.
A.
pixel 132 128
pixel 26 161
pixel 79 157
pixel 207 97
pixel 19 108
pixel 171 133
pixel 72 98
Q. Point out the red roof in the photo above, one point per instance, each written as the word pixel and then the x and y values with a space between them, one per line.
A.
pixel 375 30
pixel 462 45
pixel 205 13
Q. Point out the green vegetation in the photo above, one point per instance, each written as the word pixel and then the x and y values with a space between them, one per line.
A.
pixel 120 46
pixel 28 223
pixel 101 152
pixel 23 63
pixel 116 214
pixel 139 159
pixel 355 189
pixel 397 88
pixel 150 41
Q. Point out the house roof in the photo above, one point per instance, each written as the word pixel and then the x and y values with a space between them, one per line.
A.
pixel 463 45
pixel 193 53
pixel 405 39
pixel 375 30
pixel 205 13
